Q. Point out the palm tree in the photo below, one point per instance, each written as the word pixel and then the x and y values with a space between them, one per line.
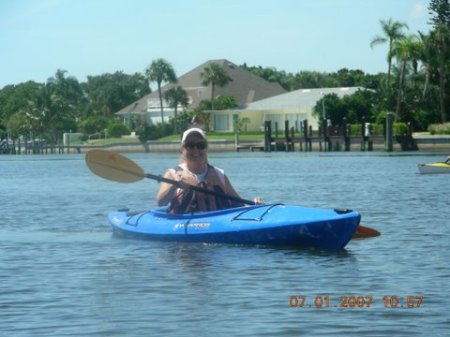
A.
pixel 66 86
pixel 440 36
pixel 68 91
pixel 392 31
pixel 441 42
pixel 176 96
pixel 426 59
pixel 214 74
pixel 161 71
pixel 407 49
pixel 47 113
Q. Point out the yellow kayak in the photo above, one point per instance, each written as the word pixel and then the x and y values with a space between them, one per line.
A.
pixel 434 168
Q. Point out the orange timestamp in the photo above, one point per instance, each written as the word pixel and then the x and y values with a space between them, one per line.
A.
pixel 356 301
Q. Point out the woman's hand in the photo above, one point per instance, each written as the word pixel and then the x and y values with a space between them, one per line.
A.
pixel 187 180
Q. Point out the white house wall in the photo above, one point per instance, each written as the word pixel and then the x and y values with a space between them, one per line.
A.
pixel 294 106
pixel 258 117
pixel 295 118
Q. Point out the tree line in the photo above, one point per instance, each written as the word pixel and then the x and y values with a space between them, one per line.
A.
pixel 416 88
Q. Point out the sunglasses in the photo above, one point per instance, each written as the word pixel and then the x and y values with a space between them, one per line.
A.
pixel 198 145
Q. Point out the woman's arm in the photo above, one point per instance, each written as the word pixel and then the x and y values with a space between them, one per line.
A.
pixel 166 191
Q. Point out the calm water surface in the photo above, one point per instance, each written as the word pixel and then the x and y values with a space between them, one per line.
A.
pixel 62 273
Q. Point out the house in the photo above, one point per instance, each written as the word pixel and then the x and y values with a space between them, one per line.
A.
pixel 294 106
pixel 245 87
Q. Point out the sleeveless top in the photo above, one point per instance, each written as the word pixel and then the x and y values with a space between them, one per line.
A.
pixel 188 201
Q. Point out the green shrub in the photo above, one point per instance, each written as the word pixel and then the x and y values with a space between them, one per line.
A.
pixel 356 129
pixel 152 132
pixel 439 129
pixel 94 124
pixel 377 129
pixel 117 130
pixel 400 129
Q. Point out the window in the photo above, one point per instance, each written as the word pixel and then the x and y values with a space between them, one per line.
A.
pixel 221 122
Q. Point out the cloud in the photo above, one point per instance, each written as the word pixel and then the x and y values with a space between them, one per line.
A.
pixel 418 11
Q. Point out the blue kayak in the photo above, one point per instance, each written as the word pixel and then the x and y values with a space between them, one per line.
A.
pixel 272 224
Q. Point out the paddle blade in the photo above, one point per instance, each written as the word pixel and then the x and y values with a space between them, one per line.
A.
pixel 363 232
pixel 113 166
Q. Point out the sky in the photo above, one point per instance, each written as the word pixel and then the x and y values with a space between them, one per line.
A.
pixel 93 37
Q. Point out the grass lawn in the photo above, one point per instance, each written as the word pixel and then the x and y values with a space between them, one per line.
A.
pixel 212 136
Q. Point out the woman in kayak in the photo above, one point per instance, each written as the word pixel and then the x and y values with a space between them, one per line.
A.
pixel 194 169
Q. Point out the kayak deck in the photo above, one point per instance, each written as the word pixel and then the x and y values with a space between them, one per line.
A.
pixel 434 168
pixel 274 224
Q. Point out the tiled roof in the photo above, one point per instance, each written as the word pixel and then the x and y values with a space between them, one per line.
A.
pixel 245 87
pixel 299 99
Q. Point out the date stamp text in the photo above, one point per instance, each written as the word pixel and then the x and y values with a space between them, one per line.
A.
pixel 356 301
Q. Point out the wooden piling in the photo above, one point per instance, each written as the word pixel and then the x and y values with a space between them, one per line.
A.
pixel 267 136
pixel 389 132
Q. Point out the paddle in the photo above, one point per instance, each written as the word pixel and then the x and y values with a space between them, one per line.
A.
pixel 113 166
pixel 363 232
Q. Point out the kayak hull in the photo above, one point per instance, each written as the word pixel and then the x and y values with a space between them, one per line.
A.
pixel 434 168
pixel 275 224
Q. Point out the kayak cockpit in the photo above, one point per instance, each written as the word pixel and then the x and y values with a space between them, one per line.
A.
pixel 254 212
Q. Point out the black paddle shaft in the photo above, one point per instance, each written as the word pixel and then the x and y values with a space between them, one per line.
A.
pixel 198 189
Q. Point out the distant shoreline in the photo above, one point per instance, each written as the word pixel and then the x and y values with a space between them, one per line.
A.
pixel 424 143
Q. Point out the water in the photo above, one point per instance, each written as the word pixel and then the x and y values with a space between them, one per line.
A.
pixel 62 272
